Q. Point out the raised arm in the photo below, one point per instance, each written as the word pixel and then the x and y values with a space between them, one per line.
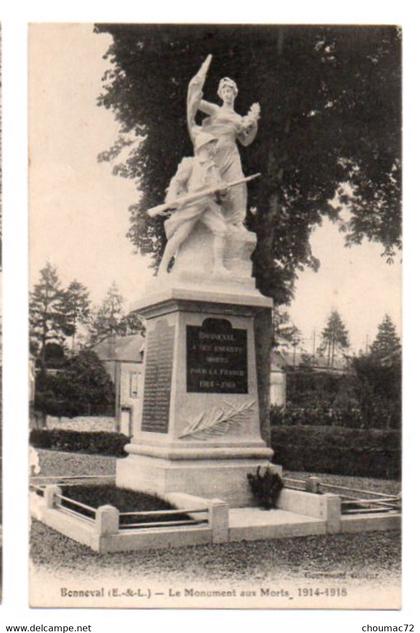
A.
pixel 195 94
pixel 207 107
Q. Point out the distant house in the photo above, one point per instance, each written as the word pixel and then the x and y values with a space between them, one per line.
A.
pixel 122 357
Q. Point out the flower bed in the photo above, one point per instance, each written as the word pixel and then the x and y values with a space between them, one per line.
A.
pixel 96 495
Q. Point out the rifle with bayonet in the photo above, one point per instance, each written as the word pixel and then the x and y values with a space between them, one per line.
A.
pixel 182 201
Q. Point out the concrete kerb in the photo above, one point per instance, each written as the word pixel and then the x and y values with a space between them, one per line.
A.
pixel 219 520
pixel 326 507
pixel 51 491
pixel 332 512
pixel 107 520
pixel 103 534
pixel 218 512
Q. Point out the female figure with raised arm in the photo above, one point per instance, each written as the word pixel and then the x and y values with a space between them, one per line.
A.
pixel 229 128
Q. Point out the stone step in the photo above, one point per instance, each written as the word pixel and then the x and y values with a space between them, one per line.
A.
pixel 252 524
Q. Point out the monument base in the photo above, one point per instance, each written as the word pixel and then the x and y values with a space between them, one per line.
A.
pixel 222 479
pixel 198 428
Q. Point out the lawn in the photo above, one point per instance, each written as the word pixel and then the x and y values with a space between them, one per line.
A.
pixel 374 555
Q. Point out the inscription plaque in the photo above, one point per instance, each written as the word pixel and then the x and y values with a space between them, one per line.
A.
pixel 157 378
pixel 216 358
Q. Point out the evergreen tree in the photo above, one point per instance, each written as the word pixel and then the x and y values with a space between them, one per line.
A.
pixel 49 322
pixel 111 319
pixel 334 337
pixel 77 306
pixel 107 317
pixel 387 341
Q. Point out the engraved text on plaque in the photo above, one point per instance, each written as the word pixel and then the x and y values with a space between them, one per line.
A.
pixel 157 379
pixel 216 358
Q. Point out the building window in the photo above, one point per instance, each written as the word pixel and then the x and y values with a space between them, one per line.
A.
pixel 134 384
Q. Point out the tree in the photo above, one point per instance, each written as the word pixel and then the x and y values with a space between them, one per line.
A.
pixel 387 342
pixel 330 129
pixel 77 306
pixel 49 322
pixel 107 317
pixel 334 337
pixel 110 318
pixel 378 378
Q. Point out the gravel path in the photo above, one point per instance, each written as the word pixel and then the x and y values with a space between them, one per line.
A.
pixel 64 463
pixel 74 464
pixel 82 423
pixel 375 555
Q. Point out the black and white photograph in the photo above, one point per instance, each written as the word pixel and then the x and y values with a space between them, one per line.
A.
pixel 215 315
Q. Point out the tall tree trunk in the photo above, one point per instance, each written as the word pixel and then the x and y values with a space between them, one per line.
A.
pixel 263 319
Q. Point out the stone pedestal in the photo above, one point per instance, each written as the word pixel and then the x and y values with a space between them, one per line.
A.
pixel 199 430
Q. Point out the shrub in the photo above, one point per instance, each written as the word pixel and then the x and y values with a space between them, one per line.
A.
pixel 338 450
pixel 265 487
pixel 368 396
pixel 94 443
pixel 80 386
pixel 319 414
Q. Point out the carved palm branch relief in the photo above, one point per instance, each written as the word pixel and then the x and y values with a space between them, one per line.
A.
pixel 217 420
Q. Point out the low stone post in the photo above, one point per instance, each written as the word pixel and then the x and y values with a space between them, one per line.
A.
pixel 49 495
pixel 312 484
pixel 333 503
pixel 107 520
pixel 219 520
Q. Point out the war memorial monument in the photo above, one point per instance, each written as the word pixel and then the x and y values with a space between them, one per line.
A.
pixel 199 431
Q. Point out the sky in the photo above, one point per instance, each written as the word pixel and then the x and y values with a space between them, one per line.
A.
pixel 78 209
